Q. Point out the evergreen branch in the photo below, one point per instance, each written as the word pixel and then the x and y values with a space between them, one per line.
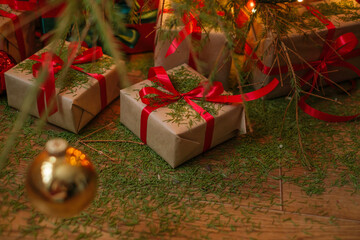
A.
pixel 109 42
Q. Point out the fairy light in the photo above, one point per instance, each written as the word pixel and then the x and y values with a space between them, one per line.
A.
pixel 251 6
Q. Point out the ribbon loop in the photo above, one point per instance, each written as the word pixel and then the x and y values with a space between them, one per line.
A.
pixel 334 53
pixel 210 93
pixel 54 64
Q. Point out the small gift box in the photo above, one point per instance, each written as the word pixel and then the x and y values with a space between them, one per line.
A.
pixel 17 36
pixel 330 52
pixel 178 136
pixel 139 34
pixel 90 84
pixel 169 53
pixel 177 139
pixel 179 114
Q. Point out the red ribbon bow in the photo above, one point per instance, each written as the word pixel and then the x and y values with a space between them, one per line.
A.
pixel 208 93
pixel 54 64
pixel 333 54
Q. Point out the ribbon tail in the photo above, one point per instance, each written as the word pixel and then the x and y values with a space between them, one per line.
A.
pixel 247 96
pixel 322 115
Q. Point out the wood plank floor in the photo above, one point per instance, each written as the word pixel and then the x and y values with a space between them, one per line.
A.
pixel 282 211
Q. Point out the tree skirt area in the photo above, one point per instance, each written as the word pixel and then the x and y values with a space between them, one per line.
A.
pixel 262 185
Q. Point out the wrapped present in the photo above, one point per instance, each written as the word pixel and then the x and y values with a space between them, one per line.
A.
pixel 48 19
pixel 139 34
pixel 90 84
pixel 17 33
pixel 185 116
pixel 330 52
pixel 214 55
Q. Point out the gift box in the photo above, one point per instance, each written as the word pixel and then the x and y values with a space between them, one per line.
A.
pixel 313 48
pixel 139 34
pixel 17 33
pixel 48 19
pixel 213 55
pixel 177 141
pixel 89 86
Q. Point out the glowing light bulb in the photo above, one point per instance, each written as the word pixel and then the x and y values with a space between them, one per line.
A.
pixel 300 0
pixel 251 6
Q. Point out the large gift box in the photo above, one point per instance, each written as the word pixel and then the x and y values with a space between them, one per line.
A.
pixel 176 140
pixel 89 86
pixel 326 51
pixel 139 34
pixel 17 33
pixel 214 54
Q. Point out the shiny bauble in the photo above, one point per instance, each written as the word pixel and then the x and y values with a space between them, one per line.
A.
pixel 6 62
pixel 61 181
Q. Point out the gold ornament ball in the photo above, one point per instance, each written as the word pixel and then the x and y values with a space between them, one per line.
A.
pixel 61 181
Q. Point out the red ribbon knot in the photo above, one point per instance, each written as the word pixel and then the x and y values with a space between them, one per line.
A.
pixel 155 98
pixel 334 53
pixel 54 64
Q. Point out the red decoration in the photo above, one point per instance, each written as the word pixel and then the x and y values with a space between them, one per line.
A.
pixel 213 94
pixel 18 32
pixel 21 5
pixel 54 64
pixel 6 62
pixel 334 53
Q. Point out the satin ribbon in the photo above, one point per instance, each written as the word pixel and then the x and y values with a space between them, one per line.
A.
pixel 190 28
pixel 33 5
pixel 333 53
pixel 21 5
pixel 54 64
pixel 18 32
pixel 204 92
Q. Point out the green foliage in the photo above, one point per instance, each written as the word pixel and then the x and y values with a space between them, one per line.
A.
pixel 73 78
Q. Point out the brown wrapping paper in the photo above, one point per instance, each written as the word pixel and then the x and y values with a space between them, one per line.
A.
pixel 214 53
pixel 75 108
pixel 8 42
pixel 175 143
pixel 308 46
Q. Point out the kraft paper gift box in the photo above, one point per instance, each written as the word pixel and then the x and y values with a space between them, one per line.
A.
pixel 213 54
pixel 78 104
pixel 9 42
pixel 308 46
pixel 177 143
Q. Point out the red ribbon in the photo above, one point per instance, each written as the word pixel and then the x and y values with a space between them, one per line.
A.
pixel 33 5
pixel 54 64
pixel 333 54
pixel 191 28
pixel 203 92
pixel 21 5
pixel 18 32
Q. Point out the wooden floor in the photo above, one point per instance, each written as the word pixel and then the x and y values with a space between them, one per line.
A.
pixel 287 213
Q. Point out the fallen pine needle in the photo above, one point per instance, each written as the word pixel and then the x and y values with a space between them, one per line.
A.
pixel 123 141
pixel 98 151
